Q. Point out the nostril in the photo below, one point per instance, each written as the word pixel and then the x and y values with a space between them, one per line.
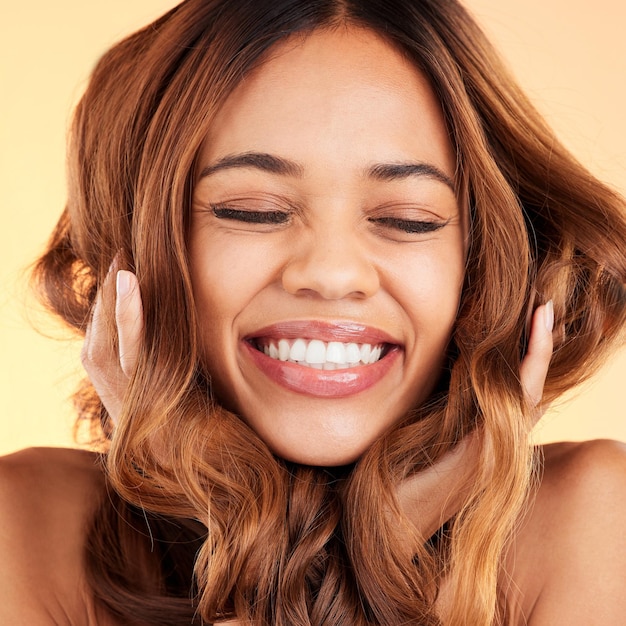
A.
pixel 356 279
pixel 328 294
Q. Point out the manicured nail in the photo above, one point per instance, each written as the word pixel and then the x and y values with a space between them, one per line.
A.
pixel 548 315
pixel 122 283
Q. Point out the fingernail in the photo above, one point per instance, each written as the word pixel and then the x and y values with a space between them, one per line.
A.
pixel 548 316
pixel 122 283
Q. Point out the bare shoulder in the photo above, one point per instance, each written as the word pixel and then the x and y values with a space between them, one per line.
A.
pixel 47 497
pixel 571 550
pixel 42 487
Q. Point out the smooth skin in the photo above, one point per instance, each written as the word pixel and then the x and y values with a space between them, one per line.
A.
pixel 567 563
pixel 325 195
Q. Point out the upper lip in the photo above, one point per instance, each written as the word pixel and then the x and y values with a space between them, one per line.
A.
pixel 343 331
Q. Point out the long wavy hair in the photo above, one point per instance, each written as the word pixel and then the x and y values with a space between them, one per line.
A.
pixel 202 521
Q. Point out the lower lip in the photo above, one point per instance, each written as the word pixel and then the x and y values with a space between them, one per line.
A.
pixel 322 383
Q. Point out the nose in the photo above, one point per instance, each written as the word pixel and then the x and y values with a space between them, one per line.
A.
pixel 332 265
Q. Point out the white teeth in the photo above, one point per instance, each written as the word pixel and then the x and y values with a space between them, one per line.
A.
pixel 320 355
pixel 353 353
pixel 316 352
pixel 298 350
pixel 335 352
pixel 283 350
pixel 375 354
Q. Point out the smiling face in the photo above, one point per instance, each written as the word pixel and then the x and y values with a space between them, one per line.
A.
pixel 327 245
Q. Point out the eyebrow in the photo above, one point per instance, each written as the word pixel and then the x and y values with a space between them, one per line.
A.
pixel 255 160
pixel 399 171
pixel 284 167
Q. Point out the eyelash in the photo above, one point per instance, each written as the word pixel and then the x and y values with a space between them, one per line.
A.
pixel 250 217
pixel 409 226
pixel 281 217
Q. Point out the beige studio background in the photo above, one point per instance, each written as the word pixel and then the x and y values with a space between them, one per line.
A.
pixel 570 55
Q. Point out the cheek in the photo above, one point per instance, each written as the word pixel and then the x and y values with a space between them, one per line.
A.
pixel 429 284
pixel 217 302
pixel 223 279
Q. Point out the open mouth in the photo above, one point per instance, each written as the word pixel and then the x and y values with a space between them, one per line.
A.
pixel 324 367
pixel 321 355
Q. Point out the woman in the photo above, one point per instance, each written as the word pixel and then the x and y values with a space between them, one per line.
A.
pixel 341 239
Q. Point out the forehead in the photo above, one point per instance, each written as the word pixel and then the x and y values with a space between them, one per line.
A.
pixel 339 92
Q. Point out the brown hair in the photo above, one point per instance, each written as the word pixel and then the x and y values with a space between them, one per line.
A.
pixel 232 530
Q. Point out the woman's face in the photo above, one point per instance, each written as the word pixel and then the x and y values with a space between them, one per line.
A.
pixel 327 245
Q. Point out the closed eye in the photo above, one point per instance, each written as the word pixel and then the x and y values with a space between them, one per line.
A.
pixel 250 217
pixel 409 226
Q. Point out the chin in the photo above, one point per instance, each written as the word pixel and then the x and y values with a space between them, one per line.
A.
pixel 321 455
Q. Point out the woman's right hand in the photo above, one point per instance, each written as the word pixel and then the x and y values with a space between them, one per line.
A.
pixel 110 368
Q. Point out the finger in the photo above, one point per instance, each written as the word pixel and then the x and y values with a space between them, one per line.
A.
pixel 97 342
pixel 99 356
pixel 434 494
pixel 129 319
pixel 534 367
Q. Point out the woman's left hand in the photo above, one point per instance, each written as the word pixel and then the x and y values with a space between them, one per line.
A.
pixel 434 495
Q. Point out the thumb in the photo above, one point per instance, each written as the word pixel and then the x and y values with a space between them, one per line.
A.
pixel 129 320
pixel 534 367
